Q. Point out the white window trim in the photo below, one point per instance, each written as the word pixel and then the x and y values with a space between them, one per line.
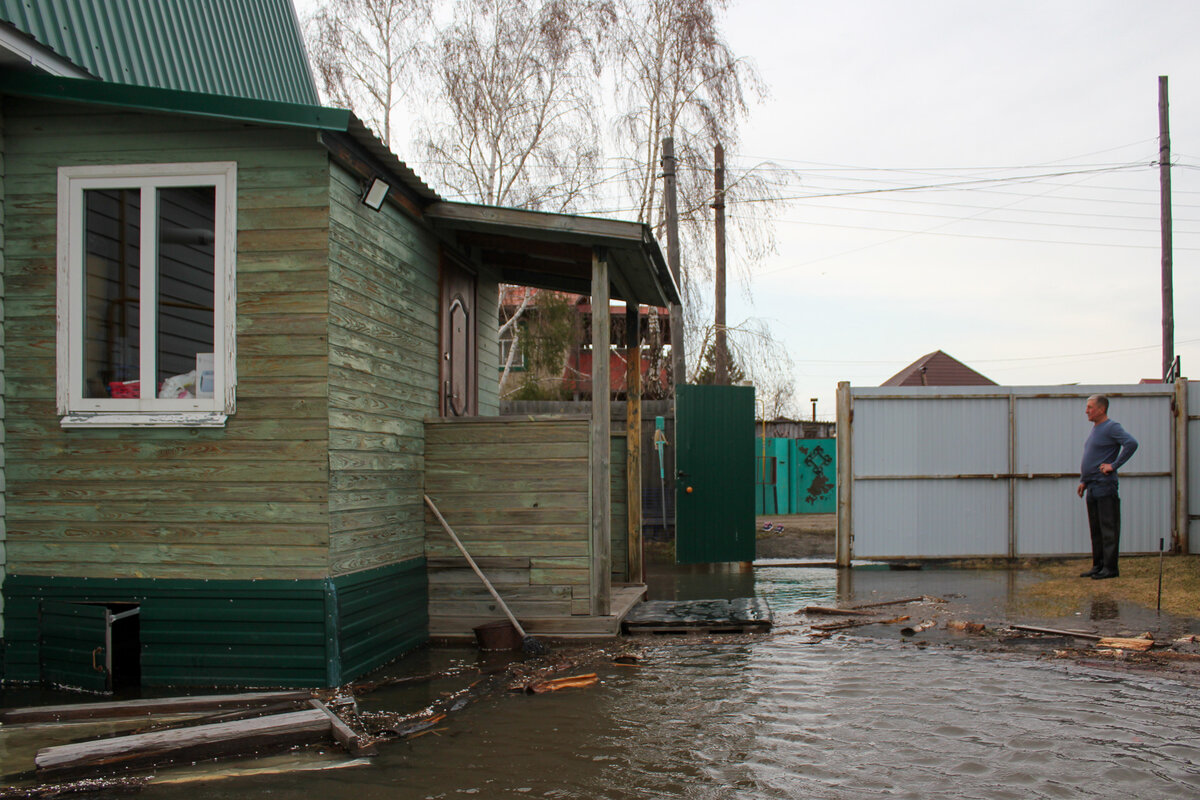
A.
pixel 77 411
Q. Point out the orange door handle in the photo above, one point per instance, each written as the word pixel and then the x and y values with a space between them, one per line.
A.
pixel 95 666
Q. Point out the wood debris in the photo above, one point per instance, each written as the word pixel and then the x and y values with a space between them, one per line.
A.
pixel 569 682
pixel 201 741
pixel 845 612
pixel 1120 643
pixel 858 623
pixel 139 708
pixel 918 628
pixel 900 602
pixel 966 627
pixel 1057 632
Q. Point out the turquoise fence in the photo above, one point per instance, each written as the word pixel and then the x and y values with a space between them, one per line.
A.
pixel 795 476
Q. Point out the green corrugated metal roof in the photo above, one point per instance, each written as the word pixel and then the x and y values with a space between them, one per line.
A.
pixel 237 48
pixel 143 98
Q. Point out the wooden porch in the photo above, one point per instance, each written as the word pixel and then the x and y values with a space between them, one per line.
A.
pixel 540 502
pixel 518 493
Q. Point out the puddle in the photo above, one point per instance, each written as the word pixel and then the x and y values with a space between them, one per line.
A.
pixel 777 717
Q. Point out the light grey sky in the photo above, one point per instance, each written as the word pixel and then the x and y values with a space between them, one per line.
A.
pixel 1028 279
pixel 1044 282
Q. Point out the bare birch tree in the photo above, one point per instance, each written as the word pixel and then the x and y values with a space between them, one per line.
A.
pixel 365 53
pixel 514 119
pixel 677 77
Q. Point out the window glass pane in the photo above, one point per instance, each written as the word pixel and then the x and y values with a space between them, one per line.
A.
pixel 186 266
pixel 110 292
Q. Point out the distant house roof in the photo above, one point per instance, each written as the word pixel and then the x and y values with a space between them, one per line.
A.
pixel 236 48
pixel 937 369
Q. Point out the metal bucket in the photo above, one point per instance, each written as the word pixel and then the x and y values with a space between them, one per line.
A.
pixel 498 635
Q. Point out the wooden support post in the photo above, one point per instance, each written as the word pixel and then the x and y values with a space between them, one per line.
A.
pixel 678 361
pixel 1179 534
pixel 721 345
pixel 601 443
pixel 633 439
pixel 1164 183
pixel 845 475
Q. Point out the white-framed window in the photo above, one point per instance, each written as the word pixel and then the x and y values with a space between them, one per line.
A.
pixel 147 294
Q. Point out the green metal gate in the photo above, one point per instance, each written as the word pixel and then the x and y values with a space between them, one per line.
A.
pixel 714 487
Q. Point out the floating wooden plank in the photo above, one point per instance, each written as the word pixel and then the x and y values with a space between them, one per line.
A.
pixel 1122 643
pixel 138 708
pixel 226 738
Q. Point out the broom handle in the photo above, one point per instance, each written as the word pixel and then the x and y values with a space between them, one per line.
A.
pixel 471 561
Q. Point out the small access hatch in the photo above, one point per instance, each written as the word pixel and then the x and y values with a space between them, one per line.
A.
pixel 91 647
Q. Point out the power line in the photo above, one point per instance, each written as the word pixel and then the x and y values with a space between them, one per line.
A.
pixel 965 236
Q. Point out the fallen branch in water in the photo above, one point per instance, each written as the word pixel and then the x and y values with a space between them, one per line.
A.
pixel 1057 632
pixel 846 612
pixel 904 601
pixel 858 623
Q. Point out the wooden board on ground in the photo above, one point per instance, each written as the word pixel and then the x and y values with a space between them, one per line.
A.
pixel 225 738
pixel 742 615
pixel 138 708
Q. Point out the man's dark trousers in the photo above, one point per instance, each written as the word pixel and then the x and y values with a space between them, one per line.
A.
pixel 1104 520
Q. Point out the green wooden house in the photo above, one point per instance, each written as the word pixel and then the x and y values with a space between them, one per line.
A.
pixel 234 330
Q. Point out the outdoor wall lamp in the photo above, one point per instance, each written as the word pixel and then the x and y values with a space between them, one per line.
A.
pixel 374 195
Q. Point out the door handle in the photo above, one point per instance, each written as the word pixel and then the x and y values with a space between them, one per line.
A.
pixel 682 474
pixel 95 666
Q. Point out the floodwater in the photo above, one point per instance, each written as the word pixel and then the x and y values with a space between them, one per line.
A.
pixel 853 716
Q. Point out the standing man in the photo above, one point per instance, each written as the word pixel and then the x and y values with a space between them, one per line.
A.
pixel 1107 448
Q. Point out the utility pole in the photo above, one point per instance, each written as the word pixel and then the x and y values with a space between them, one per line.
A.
pixel 721 359
pixel 678 365
pixel 1164 184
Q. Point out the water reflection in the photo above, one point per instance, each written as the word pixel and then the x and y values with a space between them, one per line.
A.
pixel 1104 608
pixel 766 717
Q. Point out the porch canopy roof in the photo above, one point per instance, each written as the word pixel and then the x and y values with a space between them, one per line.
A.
pixel 554 251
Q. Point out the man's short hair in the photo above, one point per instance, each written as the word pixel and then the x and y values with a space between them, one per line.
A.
pixel 1101 401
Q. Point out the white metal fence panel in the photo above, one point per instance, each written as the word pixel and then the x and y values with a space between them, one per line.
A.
pixel 956 471
pixel 1051 519
pixel 930 436
pixel 914 518
pixel 1193 468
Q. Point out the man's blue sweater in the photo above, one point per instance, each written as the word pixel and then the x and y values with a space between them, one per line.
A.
pixel 1108 443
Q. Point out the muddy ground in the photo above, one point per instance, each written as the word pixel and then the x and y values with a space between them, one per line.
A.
pixel 1054 593
pixel 804 536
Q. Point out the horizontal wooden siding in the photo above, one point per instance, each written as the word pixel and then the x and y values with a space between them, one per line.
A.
pixel 244 502
pixel 515 491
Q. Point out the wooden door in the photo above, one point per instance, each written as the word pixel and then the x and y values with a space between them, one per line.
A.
pixel 458 390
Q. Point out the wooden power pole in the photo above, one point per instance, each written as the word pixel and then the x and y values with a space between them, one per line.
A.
pixel 1164 183
pixel 678 365
pixel 721 358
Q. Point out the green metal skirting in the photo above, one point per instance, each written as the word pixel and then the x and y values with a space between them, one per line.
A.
pixel 302 633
